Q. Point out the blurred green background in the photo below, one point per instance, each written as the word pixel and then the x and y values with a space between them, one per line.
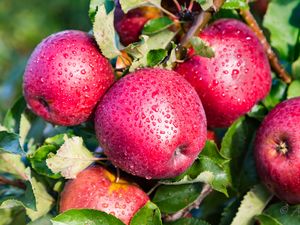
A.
pixel 23 24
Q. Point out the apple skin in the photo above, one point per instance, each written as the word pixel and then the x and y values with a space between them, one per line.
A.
pixel 277 151
pixel 239 75
pixel 65 77
pixel 95 188
pixel 129 26
pixel 151 124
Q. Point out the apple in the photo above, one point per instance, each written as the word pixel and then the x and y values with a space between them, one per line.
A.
pixel 277 151
pixel 233 81
pixel 65 77
pixel 151 123
pixel 97 188
pixel 129 26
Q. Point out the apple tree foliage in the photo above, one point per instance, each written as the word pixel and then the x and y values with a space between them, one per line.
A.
pixel 36 158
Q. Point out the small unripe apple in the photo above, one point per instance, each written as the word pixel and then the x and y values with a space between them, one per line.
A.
pixel 97 188
pixel 277 151
pixel 129 26
pixel 151 123
pixel 233 81
pixel 65 77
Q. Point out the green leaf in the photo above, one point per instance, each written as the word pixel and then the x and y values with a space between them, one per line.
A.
pixel 206 4
pixel 12 163
pixel 25 126
pixel 14 216
pixel 148 215
pixel 172 198
pixel 44 201
pixel 140 50
pixel 284 29
pixel 235 4
pixel 85 216
pixel 13 116
pixel 229 212
pixel 267 220
pixel 94 4
pixel 258 112
pixel 38 160
pixel 253 204
pixel 296 68
pixel 36 199
pixel 105 33
pixel 294 89
pixel 235 146
pixel 283 213
pixel 131 4
pixel 9 143
pixel 156 25
pixel 44 220
pixel 71 158
pixel 172 58
pixel 201 47
pixel 188 221
pixel 154 57
pixel 209 168
pixel 276 95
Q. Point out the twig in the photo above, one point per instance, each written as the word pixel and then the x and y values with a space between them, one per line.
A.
pixel 206 190
pixel 200 22
pixel 277 67
pixel 15 183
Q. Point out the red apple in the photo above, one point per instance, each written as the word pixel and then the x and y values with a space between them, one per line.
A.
pixel 96 188
pixel 239 75
pixel 65 77
pixel 151 123
pixel 277 151
pixel 129 26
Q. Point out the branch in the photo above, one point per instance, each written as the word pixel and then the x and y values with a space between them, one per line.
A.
pixel 200 22
pixel 277 67
pixel 15 183
pixel 206 190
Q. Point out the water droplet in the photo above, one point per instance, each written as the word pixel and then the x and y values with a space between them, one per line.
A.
pixel 86 88
pixel 104 205
pixel 155 108
pixel 83 71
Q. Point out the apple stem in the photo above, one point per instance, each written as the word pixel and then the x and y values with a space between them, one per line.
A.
pixel 118 175
pixel 100 159
pixel 200 22
pixel 277 67
pixel 206 190
pixel 15 183
pixel 177 5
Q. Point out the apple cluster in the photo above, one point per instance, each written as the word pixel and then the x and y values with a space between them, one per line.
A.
pixel 153 122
